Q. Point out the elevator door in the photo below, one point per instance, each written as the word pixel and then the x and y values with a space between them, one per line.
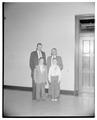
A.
pixel 86 63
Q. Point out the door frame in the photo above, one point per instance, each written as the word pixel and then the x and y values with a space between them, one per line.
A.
pixel 76 56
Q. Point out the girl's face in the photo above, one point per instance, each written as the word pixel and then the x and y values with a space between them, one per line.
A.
pixel 41 61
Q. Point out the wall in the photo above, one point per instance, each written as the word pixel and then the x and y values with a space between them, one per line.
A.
pixel 53 24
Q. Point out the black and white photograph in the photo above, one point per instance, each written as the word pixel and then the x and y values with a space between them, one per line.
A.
pixel 48 59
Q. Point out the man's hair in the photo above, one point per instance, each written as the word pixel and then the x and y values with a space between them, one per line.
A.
pixel 39 44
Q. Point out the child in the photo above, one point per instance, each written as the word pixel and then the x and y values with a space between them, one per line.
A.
pixel 54 77
pixel 40 77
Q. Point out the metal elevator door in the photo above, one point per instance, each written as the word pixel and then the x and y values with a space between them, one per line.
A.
pixel 86 63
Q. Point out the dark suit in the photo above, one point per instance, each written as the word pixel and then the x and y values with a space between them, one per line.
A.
pixel 33 63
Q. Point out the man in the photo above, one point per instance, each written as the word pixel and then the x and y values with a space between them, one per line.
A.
pixel 34 61
pixel 49 62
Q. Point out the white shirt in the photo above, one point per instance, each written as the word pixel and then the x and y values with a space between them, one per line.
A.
pixel 39 54
pixel 54 71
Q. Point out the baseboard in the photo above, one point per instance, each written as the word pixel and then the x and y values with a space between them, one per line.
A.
pixel 66 92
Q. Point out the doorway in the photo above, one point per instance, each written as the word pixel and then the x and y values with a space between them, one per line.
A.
pixel 84 54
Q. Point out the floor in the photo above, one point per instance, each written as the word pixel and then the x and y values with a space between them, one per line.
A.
pixel 20 103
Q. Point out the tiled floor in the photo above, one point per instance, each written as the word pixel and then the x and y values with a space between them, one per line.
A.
pixel 20 103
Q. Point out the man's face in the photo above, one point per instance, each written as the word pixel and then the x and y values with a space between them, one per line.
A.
pixel 39 47
pixel 54 52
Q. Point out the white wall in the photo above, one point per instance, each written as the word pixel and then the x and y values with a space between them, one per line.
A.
pixel 53 24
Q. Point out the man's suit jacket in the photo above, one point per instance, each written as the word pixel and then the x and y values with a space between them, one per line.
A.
pixel 59 62
pixel 34 60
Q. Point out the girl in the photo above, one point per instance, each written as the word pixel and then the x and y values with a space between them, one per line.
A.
pixel 40 77
pixel 54 78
